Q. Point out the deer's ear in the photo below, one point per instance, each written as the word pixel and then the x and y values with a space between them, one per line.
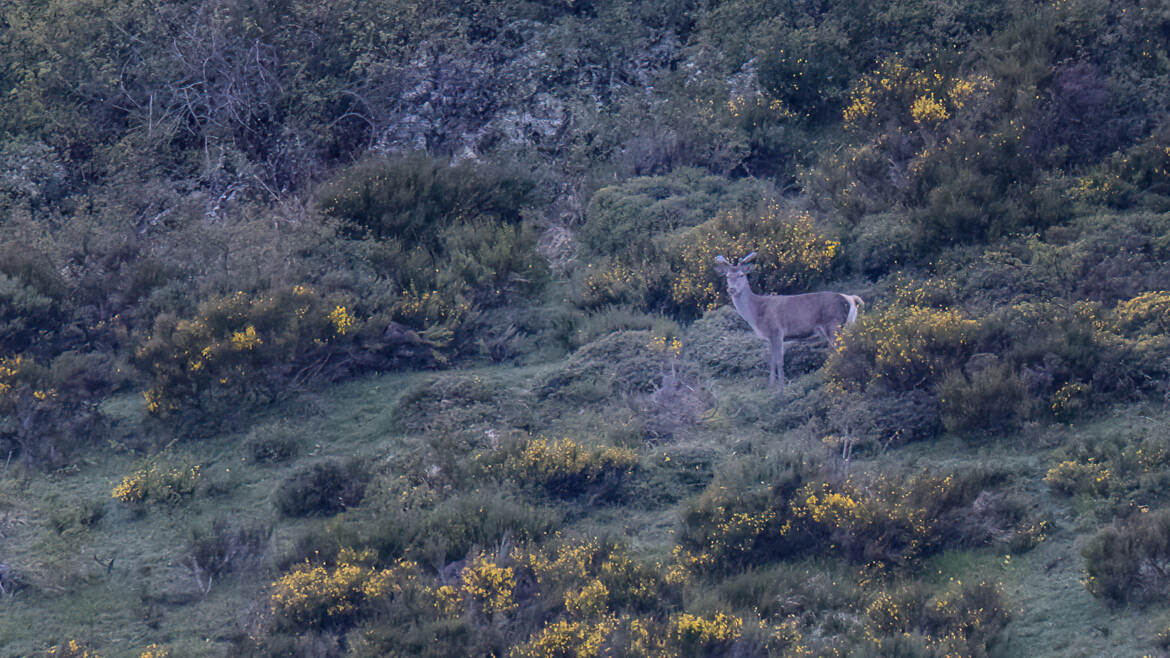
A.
pixel 721 268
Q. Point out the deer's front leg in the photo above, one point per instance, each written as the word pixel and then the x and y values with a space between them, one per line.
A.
pixel 776 360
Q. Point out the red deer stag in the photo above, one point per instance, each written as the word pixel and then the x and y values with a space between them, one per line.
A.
pixel 776 317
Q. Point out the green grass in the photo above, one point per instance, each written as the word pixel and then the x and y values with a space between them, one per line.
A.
pixel 120 583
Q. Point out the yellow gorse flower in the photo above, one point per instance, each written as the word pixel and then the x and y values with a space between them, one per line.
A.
pixel 341 319
pixel 246 339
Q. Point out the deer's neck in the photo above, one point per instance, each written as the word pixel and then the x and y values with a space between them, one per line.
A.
pixel 747 303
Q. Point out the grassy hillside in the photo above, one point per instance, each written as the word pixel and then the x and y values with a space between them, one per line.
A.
pixel 387 328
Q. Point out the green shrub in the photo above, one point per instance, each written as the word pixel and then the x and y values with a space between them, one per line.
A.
pixel 990 398
pixel 459 404
pixel 243 349
pixel 793 254
pixel 622 362
pixel 883 243
pixel 962 619
pixel 26 315
pixel 1073 477
pixel 164 478
pixel 902 347
pixel 412 198
pixel 762 510
pixel 272 443
pixel 48 414
pixel 326 488
pixel 336 596
pixel 742 516
pixel 419 517
pixel 1127 561
pixel 569 469
pixel 625 220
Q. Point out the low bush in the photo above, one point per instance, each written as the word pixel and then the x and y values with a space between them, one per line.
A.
pixel 459 403
pixel 885 521
pixel 164 478
pixel 1129 561
pixel 568 469
pixel 49 413
pixel 988 399
pixel 323 596
pixel 409 517
pixel 902 347
pixel 223 547
pixel 793 254
pixel 962 619
pixel 244 349
pixel 621 363
pixel 624 220
pixel 409 197
pixel 272 443
pixel 1127 465
pixel 742 517
pixel 1072 477
pixel 326 488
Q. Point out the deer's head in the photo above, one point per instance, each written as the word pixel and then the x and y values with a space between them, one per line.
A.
pixel 737 282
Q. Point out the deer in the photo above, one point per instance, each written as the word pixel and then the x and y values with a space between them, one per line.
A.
pixel 776 317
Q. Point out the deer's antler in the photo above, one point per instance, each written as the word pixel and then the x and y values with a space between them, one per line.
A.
pixel 747 258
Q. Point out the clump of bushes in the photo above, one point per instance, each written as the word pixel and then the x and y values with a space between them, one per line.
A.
pixel 456 403
pixel 962 619
pixel 568 469
pixel 990 398
pixel 327 487
pixel 323 596
pixel 1127 465
pixel 902 347
pixel 49 412
pixel 450 239
pixel 408 198
pixel 745 518
pixel 1128 561
pixel 742 517
pixel 164 478
pixel 225 546
pixel 622 362
pixel 793 253
pixel 271 443
pixel 244 349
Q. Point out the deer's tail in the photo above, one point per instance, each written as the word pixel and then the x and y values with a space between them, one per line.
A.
pixel 855 303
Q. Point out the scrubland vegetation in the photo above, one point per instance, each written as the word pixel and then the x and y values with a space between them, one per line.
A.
pixel 391 328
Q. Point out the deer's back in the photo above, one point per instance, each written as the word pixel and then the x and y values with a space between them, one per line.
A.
pixel 800 315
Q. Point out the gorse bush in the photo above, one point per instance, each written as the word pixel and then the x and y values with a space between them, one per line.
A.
pixel 1127 466
pixel 164 478
pixel 990 398
pixel 962 619
pixel 569 469
pixel 323 596
pixel 449 238
pixel 902 347
pixel 883 521
pixel 792 254
pixel 48 413
pixel 244 349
